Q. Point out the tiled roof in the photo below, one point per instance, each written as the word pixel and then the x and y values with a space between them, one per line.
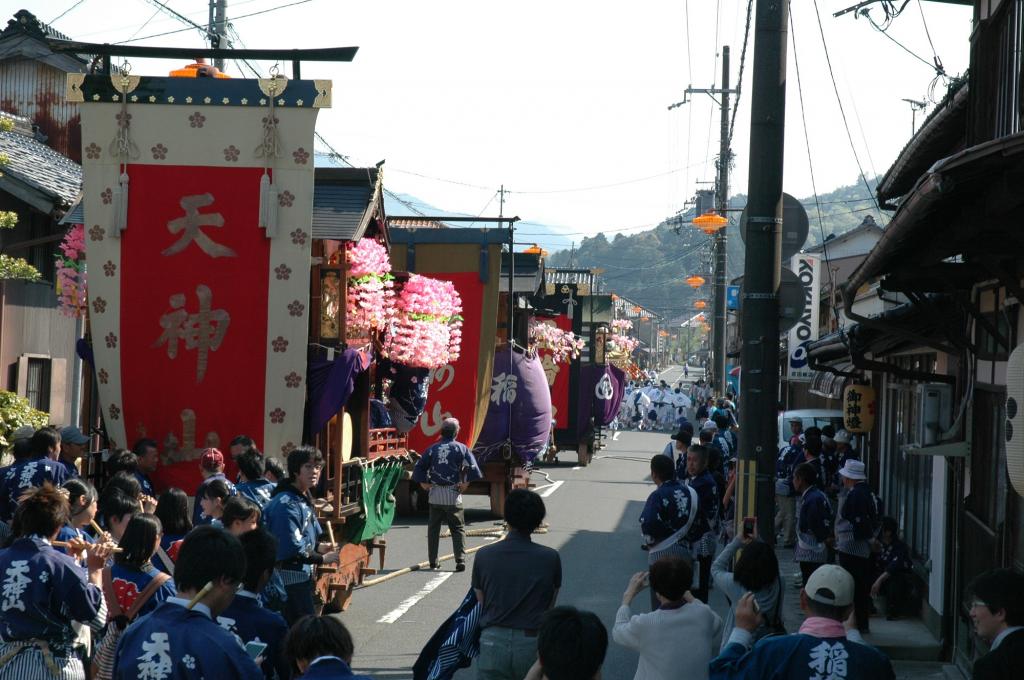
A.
pixel 40 167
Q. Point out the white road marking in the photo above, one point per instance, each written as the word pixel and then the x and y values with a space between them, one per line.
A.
pixel 410 602
pixel 551 489
pixel 615 437
pixel 578 467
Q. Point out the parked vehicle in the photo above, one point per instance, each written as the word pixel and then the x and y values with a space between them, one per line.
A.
pixel 811 417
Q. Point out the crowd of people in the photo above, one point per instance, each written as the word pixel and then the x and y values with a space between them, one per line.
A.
pixel 120 583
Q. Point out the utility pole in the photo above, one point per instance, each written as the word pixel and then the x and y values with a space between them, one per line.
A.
pixel 724 154
pixel 717 340
pixel 759 386
pixel 218 28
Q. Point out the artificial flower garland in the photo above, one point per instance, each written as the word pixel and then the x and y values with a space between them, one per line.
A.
pixel 70 273
pixel 563 345
pixel 369 304
pixel 426 331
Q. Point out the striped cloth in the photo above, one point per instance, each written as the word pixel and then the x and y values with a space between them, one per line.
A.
pixel 455 644
pixel 445 495
pixel 30 663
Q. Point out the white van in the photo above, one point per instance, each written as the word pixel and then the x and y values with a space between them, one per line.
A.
pixel 811 417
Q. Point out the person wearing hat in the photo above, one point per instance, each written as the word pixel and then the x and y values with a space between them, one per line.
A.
pixel 676 449
pixel 855 530
pixel 211 465
pixel 826 646
pixel 796 428
pixel 73 445
pixel 445 471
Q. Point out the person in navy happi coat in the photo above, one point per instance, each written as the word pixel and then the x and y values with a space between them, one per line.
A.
pixel 814 521
pixel 177 643
pixel 40 466
pixel 322 648
pixel 703 535
pixel 667 516
pixel 291 518
pixel 42 591
pixel 246 617
pixel 822 648
pixel 252 484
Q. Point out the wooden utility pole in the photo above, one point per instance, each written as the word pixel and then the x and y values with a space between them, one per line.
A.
pixel 724 154
pixel 759 385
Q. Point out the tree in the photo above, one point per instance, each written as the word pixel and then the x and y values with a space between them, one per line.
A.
pixel 12 268
pixel 15 412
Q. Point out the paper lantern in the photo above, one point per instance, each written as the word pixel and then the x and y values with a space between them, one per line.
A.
pixel 700 304
pixel 859 408
pixel 536 250
pixel 710 222
pixel 695 281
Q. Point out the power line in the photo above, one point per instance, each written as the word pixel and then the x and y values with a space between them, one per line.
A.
pixel 241 16
pixel 937 66
pixel 739 80
pixel 65 12
pixel 839 101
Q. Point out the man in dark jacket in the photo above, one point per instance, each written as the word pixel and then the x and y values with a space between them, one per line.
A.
pixel 704 532
pixel 785 496
pixel 813 523
pixel 445 470
pixel 855 530
pixel 997 610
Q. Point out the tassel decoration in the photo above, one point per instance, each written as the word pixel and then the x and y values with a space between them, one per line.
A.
pixel 120 200
pixel 268 206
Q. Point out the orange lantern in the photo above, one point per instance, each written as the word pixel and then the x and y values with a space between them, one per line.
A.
pixel 710 222
pixel 199 69
pixel 695 281
pixel 536 250
pixel 700 304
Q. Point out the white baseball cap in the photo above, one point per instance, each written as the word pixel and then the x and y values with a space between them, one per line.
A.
pixel 830 584
pixel 842 437
pixel 710 425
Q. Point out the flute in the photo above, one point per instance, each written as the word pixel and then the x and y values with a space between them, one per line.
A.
pixel 66 544
pixel 200 595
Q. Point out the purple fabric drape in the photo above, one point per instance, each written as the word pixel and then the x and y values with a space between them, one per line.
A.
pixel 330 384
pixel 601 391
pixel 519 395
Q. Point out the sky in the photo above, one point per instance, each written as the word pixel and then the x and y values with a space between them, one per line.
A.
pixel 565 103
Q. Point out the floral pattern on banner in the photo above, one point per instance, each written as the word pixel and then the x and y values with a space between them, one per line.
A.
pixel 370 302
pixel 71 278
pixel 563 345
pixel 427 330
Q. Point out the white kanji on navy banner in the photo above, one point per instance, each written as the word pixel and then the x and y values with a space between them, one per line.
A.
pixel 16 581
pixel 155 662
pixel 828 661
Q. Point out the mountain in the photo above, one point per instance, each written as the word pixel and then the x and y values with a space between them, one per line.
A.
pixel 649 267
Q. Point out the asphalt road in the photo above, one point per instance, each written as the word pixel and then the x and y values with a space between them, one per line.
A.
pixel 592 513
pixel 593 522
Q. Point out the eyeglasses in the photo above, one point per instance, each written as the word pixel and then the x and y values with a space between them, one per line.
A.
pixel 977 603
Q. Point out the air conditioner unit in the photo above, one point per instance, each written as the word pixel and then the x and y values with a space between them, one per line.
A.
pixel 1015 419
pixel 933 412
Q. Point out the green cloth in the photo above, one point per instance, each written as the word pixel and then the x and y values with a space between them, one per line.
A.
pixel 380 479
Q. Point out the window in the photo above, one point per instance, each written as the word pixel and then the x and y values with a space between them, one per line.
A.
pixel 989 346
pixel 37 384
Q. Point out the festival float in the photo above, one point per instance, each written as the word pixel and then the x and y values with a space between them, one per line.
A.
pixel 572 317
pixel 234 289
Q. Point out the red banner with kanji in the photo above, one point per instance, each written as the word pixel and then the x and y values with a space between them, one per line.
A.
pixel 557 374
pixel 194 285
pixel 453 388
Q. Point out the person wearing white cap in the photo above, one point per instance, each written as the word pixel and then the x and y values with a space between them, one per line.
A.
pixel 856 526
pixel 825 646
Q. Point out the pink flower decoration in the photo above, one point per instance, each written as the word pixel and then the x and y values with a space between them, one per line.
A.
pixel 427 330
pixel 369 305
pixel 561 345
pixel 70 272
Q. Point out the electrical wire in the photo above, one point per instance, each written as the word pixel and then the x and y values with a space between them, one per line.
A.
pixel 241 16
pixel 65 12
pixel 739 80
pixel 839 101
pixel 810 167
pixel 883 29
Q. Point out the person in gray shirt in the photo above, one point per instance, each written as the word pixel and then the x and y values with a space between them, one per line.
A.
pixel 516 582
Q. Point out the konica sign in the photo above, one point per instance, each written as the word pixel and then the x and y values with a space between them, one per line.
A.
pixel 808 270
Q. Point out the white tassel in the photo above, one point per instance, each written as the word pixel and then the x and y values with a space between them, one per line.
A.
pixel 120 201
pixel 268 206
